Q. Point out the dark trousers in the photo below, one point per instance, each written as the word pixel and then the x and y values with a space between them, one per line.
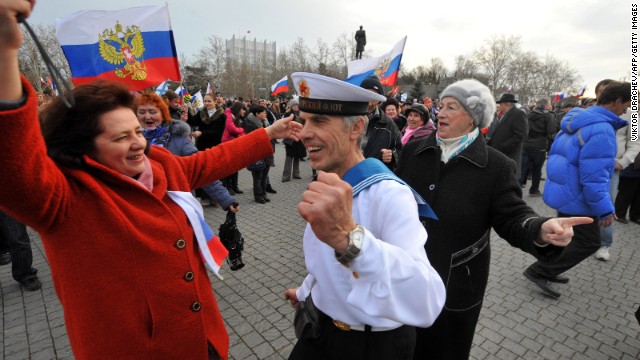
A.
pixel 260 181
pixel 533 160
pixel 291 163
pixel 231 181
pixel 585 242
pixel 450 337
pixel 15 240
pixel 336 344
pixel 628 198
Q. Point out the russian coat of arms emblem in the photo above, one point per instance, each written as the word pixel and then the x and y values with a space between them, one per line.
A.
pixel 382 68
pixel 124 45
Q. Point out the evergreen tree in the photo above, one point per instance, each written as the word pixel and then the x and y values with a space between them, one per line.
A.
pixel 416 90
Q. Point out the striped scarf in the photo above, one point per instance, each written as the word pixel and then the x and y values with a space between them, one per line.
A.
pixel 211 248
pixel 453 147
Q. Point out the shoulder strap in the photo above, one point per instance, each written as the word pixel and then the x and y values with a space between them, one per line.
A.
pixel 371 171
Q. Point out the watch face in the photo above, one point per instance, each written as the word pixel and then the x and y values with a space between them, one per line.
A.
pixel 358 238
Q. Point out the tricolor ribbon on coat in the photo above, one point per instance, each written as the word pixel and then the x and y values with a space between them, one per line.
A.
pixel 371 171
pixel 211 248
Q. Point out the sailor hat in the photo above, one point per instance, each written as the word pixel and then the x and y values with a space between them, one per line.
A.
pixel 328 96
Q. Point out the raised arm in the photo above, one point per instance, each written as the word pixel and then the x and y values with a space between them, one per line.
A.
pixel 10 42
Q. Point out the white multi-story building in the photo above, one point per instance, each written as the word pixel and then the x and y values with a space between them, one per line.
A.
pixel 251 51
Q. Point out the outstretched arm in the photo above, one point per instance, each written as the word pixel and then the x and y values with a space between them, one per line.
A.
pixel 284 128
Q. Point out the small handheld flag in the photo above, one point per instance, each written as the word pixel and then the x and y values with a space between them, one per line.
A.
pixel 162 88
pixel 281 86
pixel 197 100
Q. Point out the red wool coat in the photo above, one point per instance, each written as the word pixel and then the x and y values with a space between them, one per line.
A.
pixel 128 287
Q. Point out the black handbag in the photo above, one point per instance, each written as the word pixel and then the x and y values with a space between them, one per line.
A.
pixel 232 239
pixel 307 322
pixel 257 166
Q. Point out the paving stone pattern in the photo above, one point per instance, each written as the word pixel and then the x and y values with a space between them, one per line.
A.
pixel 592 320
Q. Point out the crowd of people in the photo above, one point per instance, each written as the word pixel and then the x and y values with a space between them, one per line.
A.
pixel 120 174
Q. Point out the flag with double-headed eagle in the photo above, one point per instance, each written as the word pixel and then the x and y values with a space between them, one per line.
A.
pixel 385 67
pixel 134 46
pixel 197 100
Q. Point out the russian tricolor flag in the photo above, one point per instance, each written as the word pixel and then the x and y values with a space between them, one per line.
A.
pixel 133 45
pixel 281 86
pixel 211 248
pixel 385 67
pixel 559 96
pixel 214 245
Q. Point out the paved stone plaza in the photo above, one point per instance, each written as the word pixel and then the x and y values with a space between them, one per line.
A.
pixel 592 320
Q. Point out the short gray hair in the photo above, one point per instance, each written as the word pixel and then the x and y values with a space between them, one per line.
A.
pixel 542 103
pixel 350 121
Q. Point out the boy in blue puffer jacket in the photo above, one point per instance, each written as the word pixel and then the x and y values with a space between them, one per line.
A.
pixel 580 166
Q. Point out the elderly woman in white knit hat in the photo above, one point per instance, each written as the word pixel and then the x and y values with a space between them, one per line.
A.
pixel 472 188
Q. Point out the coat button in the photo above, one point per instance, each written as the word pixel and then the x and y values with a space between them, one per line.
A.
pixel 196 306
pixel 188 276
pixel 432 186
pixel 181 244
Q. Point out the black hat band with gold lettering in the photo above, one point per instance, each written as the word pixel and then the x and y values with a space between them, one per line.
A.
pixel 333 107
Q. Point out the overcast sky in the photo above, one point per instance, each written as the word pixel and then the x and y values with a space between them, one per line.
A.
pixel 592 35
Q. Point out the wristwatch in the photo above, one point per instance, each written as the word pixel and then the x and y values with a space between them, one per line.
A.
pixel 356 239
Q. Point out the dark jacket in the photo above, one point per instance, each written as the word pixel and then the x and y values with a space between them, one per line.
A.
pixel 542 128
pixel 382 133
pixel 361 40
pixel 475 191
pixel 212 127
pixel 252 124
pixel 423 131
pixel 294 149
pixel 507 135
pixel 401 121
pixel 176 113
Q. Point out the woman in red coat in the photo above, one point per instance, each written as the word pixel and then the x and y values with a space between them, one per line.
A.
pixel 124 262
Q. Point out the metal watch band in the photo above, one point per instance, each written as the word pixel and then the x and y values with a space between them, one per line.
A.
pixel 352 250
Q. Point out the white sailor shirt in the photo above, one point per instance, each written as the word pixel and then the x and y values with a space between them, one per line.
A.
pixel 391 283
